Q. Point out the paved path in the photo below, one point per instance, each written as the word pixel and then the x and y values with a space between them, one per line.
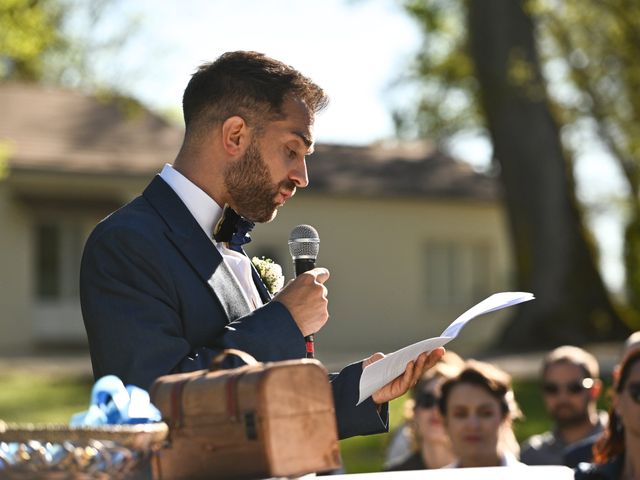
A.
pixel 74 364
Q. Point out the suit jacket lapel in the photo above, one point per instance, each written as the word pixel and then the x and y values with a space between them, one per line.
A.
pixel 187 236
pixel 229 292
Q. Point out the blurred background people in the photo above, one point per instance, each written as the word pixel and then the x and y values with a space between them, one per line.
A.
pixel 421 442
pixel 616 453
pixel 632 343
pixel 478 407
pixel 579 451
pixel 570 390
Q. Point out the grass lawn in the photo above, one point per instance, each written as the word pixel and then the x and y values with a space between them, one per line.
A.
pixel 42 399
pixel 38 398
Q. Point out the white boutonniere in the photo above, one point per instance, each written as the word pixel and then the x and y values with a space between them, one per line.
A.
pixel 270 273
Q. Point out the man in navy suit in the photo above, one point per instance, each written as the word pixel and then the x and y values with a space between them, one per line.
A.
pixel 160 295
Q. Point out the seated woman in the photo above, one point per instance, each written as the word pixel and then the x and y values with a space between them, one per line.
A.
pixel 422 442
pixel 478 407
pixel 615 453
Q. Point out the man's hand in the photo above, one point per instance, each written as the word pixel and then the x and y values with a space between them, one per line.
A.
pixel 409 378
pixel 306 299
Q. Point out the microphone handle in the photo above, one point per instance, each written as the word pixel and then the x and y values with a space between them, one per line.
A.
pixel 304 265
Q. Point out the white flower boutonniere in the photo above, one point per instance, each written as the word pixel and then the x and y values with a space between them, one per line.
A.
pixel 270 273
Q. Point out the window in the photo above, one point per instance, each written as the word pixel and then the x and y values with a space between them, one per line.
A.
pixel 47 261
pixel 458 273
pixel 58 243
pixel 58 248
pixel 60 227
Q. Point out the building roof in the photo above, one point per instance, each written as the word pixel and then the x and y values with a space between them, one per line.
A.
pixel 54 129
pixel 57 130
pixel 402 169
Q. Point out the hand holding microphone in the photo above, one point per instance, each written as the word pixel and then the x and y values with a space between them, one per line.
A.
pixel 306 296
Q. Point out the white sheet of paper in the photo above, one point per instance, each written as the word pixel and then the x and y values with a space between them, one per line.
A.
pixel 378 374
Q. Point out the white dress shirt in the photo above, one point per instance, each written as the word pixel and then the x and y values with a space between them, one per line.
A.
pixel 207 213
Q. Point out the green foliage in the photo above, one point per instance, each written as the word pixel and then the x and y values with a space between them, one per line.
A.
pixel 589 50
pixel 448 101
pixel 63 42
pixel 593 48
pixel 28 31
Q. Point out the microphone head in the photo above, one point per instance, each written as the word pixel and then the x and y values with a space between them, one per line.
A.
pixel 304 242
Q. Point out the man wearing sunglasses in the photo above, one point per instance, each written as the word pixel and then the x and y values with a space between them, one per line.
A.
pixel 570 389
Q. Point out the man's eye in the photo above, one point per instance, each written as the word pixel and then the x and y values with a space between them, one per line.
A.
pixel 292 154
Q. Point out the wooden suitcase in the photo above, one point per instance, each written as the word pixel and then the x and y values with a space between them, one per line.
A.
pixel 257 421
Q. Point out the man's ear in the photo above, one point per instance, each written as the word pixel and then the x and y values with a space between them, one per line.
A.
pixel 235 135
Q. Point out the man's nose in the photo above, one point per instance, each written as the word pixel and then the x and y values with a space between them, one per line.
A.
pixel 299 175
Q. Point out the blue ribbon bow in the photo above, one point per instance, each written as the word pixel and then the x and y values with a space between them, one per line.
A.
pixel 114 403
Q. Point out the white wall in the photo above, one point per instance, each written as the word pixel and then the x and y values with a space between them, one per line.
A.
pixel 375 250
pixel 24 321
pixel 15 275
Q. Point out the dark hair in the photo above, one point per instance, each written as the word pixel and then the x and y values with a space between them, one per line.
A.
pixel 611 442
pixel 495 381
pixel 248 84
pixel 571 355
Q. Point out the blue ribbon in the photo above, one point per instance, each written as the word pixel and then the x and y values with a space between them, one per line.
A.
pixel 113 403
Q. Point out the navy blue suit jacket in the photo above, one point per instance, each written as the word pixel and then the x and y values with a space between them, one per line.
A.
pixel 157 298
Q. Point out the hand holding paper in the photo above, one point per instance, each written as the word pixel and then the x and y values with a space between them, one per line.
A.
pixel 411 375
pixel 382 372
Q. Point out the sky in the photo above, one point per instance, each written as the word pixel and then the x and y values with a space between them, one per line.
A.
pixel 355 49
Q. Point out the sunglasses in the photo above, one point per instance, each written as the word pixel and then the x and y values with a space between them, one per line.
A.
pixel 426 400
pixel 634 392
pixel 574 388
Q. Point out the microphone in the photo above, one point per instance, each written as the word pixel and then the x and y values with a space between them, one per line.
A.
pixel 304 244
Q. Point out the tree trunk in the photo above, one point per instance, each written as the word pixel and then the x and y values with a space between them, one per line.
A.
pixel 632 260
pixel 553 256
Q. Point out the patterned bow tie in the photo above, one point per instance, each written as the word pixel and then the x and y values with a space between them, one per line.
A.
pixel 233 229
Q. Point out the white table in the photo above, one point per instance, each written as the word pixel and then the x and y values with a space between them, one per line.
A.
pixel 488 473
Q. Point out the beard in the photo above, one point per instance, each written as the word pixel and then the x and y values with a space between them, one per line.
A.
pixel 566 416
pixel 248 183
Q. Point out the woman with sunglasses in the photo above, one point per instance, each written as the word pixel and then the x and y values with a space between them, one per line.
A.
pixel 478 408
pixel 616 454
pixel 423 439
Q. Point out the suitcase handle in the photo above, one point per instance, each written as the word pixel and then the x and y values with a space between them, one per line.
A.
pixel 216 363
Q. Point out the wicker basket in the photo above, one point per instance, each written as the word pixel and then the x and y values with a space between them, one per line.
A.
pixel 59 451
